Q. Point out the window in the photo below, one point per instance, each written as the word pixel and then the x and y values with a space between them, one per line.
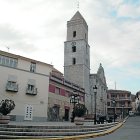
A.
pixel 73 61
pixel 73 48
pixel 57 90
pixel 31 89
pixel 33 67
pixel 74 33
pixel 7 61
pixel 86 61
pixel 108 103
pixel 86 49
pixel 12 86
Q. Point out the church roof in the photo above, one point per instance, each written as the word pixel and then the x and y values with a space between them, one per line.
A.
pixel 77 16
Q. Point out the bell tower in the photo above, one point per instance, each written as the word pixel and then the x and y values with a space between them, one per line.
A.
pixel 77 52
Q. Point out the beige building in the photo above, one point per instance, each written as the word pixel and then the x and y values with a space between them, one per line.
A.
pixel 26 81
pixel 60 93
pixel 119 102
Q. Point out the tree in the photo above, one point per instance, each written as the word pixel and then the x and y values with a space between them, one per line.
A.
pixel 6 106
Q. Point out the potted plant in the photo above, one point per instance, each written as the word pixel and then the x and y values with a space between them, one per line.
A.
pixel 6 106
pixel 79 112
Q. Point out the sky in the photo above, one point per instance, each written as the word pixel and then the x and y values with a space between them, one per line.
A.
pixel 37 29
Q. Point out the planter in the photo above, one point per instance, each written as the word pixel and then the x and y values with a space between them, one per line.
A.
pixel 79 120
pixel 4 119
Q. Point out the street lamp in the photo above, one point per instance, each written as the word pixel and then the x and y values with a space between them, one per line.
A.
pixel 95 93
pixel 114 102
pixel 122 111
pixel 74 99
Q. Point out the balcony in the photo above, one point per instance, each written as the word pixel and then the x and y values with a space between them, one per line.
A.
pixel 31 91
pixel 56 79
pixel 67 83
pixel 121 98
pixel 12 87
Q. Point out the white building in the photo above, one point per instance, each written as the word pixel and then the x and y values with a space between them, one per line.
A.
pixel 26 82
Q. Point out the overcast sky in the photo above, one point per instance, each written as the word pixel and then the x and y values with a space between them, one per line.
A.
pixel 37 29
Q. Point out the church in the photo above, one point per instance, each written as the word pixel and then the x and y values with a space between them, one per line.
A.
pixel 77 65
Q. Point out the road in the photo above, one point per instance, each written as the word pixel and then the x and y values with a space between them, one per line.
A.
pixel 129 131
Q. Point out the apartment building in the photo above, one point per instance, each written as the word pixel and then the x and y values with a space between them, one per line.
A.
pixel 26 82
pixel 119 102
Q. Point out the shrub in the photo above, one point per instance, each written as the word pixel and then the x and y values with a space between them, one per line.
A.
pixel 6 106
pixel 79 110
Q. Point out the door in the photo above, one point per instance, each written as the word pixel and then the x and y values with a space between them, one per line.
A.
pixel 66 114
pixel 28 112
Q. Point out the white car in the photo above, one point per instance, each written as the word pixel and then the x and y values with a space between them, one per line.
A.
pixel 131 113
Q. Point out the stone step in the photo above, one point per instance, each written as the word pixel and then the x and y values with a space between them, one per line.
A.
pixel 44 135
pixel 35 131
pixel 53 130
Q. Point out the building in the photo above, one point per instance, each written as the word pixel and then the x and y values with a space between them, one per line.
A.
pixel 60 93
pixel 119 102
pixel 100 81
pixel 77 53
pixel 26 82
pixel 137 102
pixel 77 64
pixel 133 98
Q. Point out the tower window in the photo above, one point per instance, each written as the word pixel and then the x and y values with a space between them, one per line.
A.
pixel 73 48
pixel 73 61
pixel 33 67
pixel 74 33
pixel 86 49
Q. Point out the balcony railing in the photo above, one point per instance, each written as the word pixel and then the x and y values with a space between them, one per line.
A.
pixel 31 92
pixel 121 98
pixel 12 87
pixel 57 79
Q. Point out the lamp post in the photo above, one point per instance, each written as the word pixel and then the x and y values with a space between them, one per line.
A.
pixel 74 99
pixel 114 102
pixel 122 111
pixel 95 93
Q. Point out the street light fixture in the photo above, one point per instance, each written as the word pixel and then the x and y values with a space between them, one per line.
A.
pixel 122 111
pixel 95 93
pixel 74 99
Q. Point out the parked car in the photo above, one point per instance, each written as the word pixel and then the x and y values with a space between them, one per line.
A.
pixel 131 113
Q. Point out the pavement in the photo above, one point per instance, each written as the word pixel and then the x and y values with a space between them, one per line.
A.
pixel 129 131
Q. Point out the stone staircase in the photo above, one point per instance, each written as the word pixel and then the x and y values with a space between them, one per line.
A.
pixel 11 131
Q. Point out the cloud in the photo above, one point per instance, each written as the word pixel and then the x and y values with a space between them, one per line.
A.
pixel 37 29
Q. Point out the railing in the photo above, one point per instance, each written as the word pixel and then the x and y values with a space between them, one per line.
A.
pixel 121 98
pixel 31 92
pixel 12 87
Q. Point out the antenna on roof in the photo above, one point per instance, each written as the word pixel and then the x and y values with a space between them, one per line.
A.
pixel 8 48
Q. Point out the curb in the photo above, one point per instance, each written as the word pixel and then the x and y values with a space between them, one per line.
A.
pixel 111 130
